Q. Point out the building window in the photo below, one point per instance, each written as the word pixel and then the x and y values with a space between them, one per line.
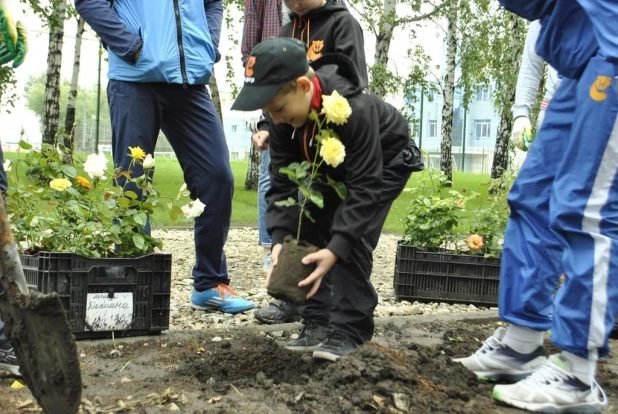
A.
pixel 234 156
pixel 482 128
pixel 433 128
pixel 234 128
pixel 483 93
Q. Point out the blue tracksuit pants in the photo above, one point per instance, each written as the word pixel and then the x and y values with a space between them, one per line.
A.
pixel 564 218
pixel 190 122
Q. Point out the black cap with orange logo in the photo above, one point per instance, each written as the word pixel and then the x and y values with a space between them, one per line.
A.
pixel 272 64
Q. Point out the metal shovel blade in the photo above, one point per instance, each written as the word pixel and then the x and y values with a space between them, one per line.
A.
pixel 40 334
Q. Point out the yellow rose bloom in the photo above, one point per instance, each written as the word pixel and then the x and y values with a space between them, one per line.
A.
pixel 333 151
pixel 60 184
pixel 336 108
pixel 475 242
pixel 137 153
pixel 83 182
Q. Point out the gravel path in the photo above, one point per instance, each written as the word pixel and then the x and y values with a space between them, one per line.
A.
pixel 243 256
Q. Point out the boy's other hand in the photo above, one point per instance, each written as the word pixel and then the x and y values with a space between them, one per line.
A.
pixel 324 260
pixel 520 135
pixel 260 140
pixel 274 258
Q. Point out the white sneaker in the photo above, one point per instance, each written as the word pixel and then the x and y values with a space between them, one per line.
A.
pixel 495 361
pixel 552 389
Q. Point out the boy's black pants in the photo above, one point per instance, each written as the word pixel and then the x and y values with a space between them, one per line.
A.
pixel 346 298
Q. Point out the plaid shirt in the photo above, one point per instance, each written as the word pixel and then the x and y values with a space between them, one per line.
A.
pixel 262 21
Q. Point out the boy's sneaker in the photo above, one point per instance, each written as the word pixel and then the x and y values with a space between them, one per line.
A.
pixel 266 263
pixel 495 361
pixel 337 345
pixel 311 337
pixel 277 312
pixel 8 359
pixel 221 298
pixel 552 389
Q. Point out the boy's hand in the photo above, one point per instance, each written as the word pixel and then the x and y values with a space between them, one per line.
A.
pixel 521 136
pixel 274 257
pixel 260 140
pixel 324 261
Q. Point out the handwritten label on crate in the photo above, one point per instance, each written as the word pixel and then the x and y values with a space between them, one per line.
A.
pixel 109 314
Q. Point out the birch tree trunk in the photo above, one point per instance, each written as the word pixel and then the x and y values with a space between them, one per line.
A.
pixel 383 43
pixel 446 161
pixel 69 120
pixel 501 153
pixel 51 115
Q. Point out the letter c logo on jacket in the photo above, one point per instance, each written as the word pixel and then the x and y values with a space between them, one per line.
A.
pixel 249 68
pixel 597 90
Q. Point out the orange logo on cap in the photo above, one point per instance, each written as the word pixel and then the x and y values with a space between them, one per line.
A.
pixel 597 90
pixel 249 68
pixel 315 50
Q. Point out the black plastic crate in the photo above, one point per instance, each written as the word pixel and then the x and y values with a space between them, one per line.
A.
pixel 438 275
pixel 30 265
pixel 83 282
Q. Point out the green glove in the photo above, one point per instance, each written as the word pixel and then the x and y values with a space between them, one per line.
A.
pixel 21 46
pixel 13 39
pixel 19 49
pixel 8 34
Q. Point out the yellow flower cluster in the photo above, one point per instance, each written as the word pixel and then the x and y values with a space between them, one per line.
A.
pixel 60 184
pixel 137 153
pixel 333 151
pixel 336 108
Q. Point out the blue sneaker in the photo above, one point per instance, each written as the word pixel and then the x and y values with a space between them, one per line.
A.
pixel 221 298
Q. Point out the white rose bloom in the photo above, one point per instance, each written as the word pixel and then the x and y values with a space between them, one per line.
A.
pixel 148 162
pixel 95 165
pixel 193 209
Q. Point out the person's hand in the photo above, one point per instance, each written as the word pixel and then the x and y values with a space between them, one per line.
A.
pixel 260 140
pixel 13 39
pixel 324 260
pixel 522 133
pixel 274 258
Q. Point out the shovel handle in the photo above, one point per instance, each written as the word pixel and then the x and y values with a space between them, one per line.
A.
pixel 9 257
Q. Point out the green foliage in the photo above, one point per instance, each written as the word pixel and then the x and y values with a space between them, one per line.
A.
pixel 434 213
pixel 63 212
pixel 34 92
pixel 491 43
pixel 490 218
pixel 449 219
pixel 7 85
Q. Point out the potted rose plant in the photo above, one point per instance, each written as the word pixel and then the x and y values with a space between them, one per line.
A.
pixel 450 252
pixel 306 175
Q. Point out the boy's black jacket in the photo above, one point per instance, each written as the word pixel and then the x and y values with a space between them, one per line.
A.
pixel 329 29
pixel 373 135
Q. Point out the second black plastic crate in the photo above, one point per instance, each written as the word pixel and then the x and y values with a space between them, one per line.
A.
pixel 87 288
pixel 437 275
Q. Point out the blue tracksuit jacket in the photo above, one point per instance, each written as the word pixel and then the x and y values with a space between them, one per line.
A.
pixel 179 38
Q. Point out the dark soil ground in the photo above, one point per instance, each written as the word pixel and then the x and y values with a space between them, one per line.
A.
pixel 407 368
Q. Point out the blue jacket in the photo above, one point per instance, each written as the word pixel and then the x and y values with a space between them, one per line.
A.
pixel 572 31
pixel 178 38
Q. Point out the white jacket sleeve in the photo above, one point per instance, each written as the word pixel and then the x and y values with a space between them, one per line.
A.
pixel 530 74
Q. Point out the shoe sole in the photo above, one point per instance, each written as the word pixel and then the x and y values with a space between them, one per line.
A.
pixel 507 378
pixel 218 309
pixel 306 349
pixel 13 369
pixel 267 321
pixel 327 356
pixel 582 408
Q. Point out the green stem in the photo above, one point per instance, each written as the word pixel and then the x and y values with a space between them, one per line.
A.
pixel 314 170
